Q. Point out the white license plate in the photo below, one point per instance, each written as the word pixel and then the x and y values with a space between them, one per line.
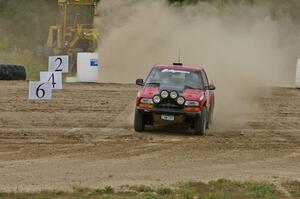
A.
pixel 168 117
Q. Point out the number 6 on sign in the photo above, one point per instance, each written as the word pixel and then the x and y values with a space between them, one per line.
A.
pixel 59 64
pixel 55 78
pixel 40 90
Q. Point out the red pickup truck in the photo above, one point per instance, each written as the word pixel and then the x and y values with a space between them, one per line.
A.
pixel 175 93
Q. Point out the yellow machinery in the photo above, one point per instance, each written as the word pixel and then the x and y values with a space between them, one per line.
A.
pixel 75 31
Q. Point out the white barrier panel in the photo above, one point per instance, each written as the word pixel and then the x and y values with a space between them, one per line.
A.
pixel 55 78
pixel 40 90
pixel 59 64
pixel 87 67
pixel 298 74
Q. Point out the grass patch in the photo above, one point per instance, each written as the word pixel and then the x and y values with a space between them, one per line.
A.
pixel 164 191
pixel 220 189
pixel 108 189
pixel 217 196
pixel 293 188
pixel 260 190
pixel 141 188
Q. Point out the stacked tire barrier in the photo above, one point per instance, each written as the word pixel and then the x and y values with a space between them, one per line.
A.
pixel 12 72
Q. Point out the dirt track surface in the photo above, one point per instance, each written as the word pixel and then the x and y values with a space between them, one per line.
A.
pixel 84 136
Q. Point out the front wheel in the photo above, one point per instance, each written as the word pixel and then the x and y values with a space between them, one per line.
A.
pixel 200 122
pixel 139 123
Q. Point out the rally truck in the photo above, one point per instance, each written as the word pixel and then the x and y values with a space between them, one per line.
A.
pixel 175 94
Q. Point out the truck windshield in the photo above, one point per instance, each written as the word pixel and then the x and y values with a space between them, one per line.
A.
pixel 80 14
pixel 171 77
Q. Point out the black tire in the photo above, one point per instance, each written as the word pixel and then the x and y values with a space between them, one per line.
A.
pixel 21 73
pixel 17 73
pixel 9 72
pixel 12 72
pixel 139 123
pixel 14 75
pixel 200 123
pixel 2 72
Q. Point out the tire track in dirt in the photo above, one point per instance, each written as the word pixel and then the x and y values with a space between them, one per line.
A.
pixel 87 128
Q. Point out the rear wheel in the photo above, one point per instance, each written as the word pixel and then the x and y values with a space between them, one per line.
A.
pixel 200 122
pixel 139 122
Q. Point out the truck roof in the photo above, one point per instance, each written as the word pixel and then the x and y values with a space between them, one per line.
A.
pixel 177 67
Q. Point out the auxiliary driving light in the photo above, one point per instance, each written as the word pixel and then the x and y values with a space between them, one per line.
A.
pixel 156 99
pixel 164 94
pixel 173 94
pixel 180 100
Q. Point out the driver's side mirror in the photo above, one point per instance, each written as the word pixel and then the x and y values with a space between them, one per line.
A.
pixel 211 87
pixel 140 82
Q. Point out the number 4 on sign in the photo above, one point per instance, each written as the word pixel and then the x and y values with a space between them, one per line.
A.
pixel 55 78
pixel 40 90
pixel 59 64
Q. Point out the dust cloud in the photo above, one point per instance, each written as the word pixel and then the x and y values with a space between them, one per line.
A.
pixel 242 48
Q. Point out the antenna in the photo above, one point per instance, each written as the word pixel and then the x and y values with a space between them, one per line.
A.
pixel 179 55
pixel 179 59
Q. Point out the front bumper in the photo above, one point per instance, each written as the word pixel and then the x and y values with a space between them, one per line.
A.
pixel 167 111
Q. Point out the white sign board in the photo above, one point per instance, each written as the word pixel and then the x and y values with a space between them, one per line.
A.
pixel 59 64
pixel 40 90
pixel 298 74
pixel 55 78
pixel 87 67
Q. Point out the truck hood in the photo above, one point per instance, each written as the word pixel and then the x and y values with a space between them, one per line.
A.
pixel 193 94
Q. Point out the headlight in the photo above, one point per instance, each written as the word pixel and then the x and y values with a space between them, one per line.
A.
pixel 156 99
pixel 146 101
pixel 173 94
pixel 192 103
pixel 164 94
pixel 180 100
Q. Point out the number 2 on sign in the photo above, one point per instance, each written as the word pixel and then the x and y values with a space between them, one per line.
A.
pixel 58 64
pixel 60 61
